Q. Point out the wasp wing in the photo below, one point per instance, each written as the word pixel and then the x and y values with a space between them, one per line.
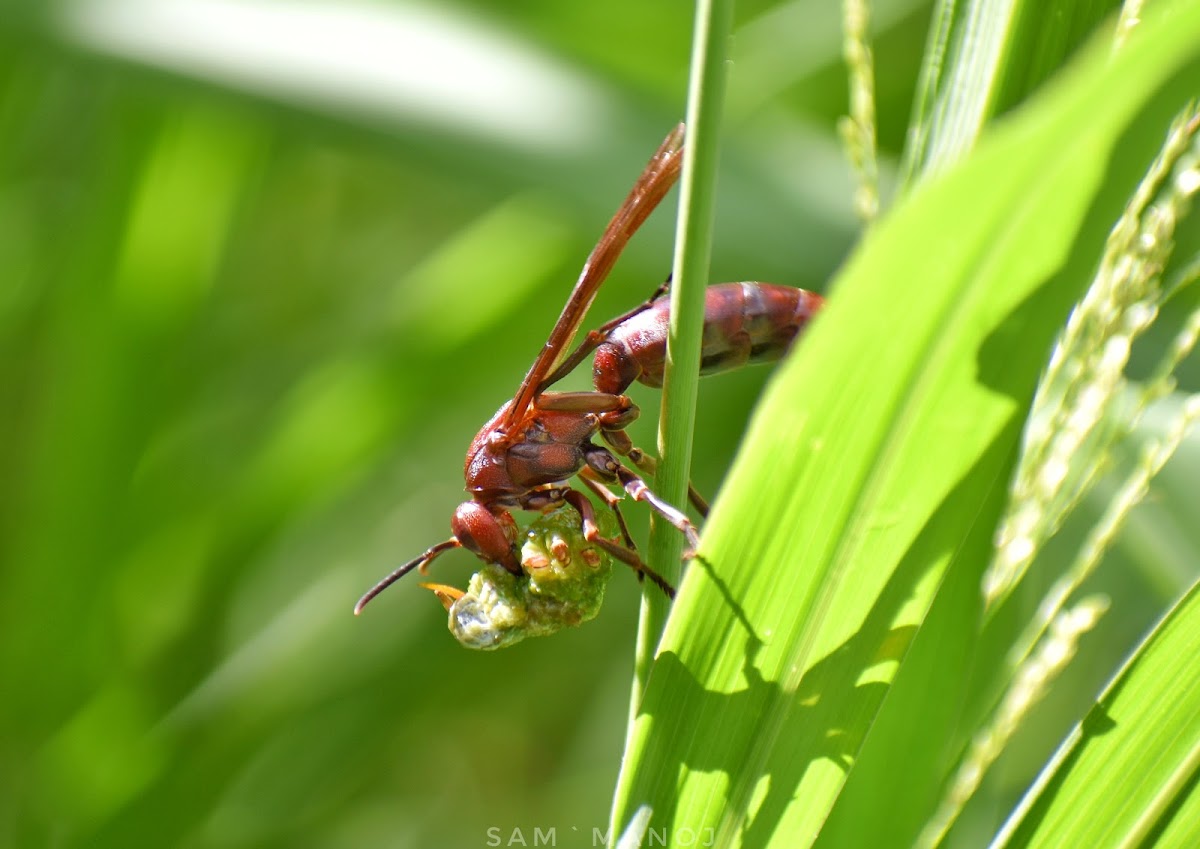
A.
pixel 659 175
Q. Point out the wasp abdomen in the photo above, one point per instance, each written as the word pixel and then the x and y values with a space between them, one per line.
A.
pixel 743 323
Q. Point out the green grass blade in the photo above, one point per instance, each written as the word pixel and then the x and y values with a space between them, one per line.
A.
pixel 1126 775
pixel 690 271
pixel 983 57
pixel 811 678
pixel 697 202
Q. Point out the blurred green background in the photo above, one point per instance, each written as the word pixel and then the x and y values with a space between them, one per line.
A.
pixel 265 268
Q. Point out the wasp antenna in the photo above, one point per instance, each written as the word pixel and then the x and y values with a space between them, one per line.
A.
pixel 417 563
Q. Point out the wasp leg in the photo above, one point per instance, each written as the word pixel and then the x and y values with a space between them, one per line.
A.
pixel 638 491
pixel 601 403
pixel 648 464
pixel 613 502
pixel 605 465
pixel 591 532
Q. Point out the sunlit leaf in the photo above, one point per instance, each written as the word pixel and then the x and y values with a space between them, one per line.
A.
pixel 810 682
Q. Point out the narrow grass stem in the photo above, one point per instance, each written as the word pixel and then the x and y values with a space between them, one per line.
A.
pixel 693 247
pixel 697 200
